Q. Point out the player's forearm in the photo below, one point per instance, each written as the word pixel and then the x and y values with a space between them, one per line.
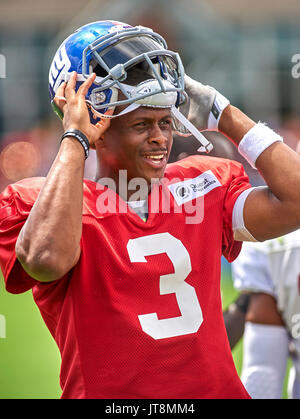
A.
pixel 234 323
pixel 277 205
pixel 49 243
pixel 234 124
pixel 278 164
pixel 280 167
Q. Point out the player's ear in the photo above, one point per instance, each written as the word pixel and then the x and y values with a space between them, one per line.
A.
pixel 99 144
pixel 102 126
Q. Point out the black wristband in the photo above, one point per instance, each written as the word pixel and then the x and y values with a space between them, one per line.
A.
pixel 75 133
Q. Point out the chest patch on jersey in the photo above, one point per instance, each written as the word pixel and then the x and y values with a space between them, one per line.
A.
pixel 194 188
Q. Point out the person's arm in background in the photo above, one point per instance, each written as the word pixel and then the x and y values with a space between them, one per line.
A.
pixel 48 245
pixel 266 342
pixel 235 317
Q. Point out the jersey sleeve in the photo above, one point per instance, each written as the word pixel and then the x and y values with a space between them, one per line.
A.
pixel 237 183
pixel 13 214
pixel 250 271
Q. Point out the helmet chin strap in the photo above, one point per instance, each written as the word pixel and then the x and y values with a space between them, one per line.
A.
pixel 206 146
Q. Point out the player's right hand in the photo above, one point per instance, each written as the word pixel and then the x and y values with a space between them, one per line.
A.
pixel 75 110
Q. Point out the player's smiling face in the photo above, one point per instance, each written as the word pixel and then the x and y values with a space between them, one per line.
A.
pixel 139 142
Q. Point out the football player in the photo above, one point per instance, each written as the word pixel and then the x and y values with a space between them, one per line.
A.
pixel 126 269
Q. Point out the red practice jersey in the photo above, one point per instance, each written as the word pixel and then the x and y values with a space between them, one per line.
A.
pixel 140 315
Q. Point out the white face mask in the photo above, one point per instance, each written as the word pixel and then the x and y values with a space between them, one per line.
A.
pixel 157 98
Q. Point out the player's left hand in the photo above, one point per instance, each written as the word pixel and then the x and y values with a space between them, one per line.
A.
pixel 204 105
pixel 75 110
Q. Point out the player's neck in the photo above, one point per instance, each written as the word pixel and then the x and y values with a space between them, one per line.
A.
pixel 136 189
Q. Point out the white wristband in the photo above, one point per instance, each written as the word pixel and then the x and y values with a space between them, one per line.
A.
pixel 220 103
pixel 255 141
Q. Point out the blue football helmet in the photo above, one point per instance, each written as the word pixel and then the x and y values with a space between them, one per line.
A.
pixel 120 55
pixel 132 64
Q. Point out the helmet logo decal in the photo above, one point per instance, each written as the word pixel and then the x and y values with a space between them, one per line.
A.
pixel 60 62
pixel 119 26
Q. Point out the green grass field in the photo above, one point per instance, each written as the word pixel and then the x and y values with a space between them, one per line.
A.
pixel 29 358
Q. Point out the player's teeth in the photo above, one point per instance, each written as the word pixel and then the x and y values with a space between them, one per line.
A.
pixel 155 157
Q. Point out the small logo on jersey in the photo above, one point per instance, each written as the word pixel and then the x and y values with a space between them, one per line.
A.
pixel 194 188
pixel 182 191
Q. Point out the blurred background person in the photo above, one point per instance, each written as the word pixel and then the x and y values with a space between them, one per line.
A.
pixel 268 274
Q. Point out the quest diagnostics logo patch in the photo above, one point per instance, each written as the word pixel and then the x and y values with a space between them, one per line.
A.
pixel 194 188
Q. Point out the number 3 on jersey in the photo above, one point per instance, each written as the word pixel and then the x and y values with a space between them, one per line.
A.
pixel 191 313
